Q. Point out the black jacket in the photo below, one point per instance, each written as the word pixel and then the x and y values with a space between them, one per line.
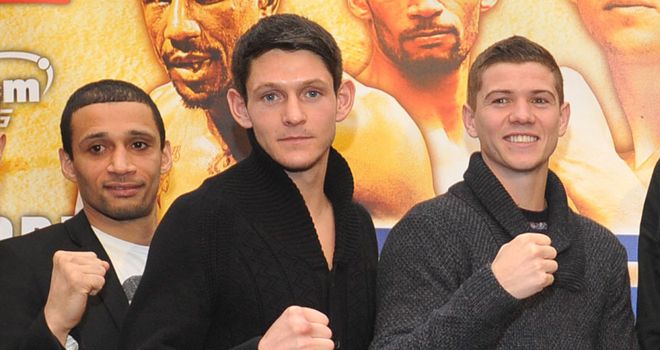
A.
pixel 228 258
pixel 26 264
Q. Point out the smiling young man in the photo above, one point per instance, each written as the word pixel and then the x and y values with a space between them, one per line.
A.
pixel 62 285
pixel 272 253
pixel 501 261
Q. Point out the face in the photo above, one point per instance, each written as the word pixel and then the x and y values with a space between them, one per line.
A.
pixel 292 107
pixel 117 159
pixel 195 38
pixel 425 34
pixel 517 118
pixel 629 27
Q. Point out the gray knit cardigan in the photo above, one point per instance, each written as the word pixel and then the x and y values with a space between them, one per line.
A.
pixel 436 289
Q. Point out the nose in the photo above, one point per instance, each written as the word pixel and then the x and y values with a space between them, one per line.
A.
pixel 293 113
pixel 121 162
pixel 181 25
pixel 425 8
pixel 522 112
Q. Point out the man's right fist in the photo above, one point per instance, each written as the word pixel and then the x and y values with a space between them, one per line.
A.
pixel 298 328
pixel 75 276
pixel 525 265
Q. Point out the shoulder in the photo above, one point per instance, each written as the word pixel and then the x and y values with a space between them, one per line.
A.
pixel 599 241
pixel 437 221
pixel 36 248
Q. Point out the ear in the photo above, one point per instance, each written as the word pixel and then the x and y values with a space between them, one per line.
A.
pixel 238 108
pixel 345 98
pixel 268 7
pixel 166 158
pixel 564 117
pixel 359 9
pixel 487 5
pixel 3 141
pixel 66 163
pixel 468 121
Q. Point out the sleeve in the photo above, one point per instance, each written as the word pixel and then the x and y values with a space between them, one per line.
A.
pixel 648 289
pixel 429 297
pixel 171 308
pixel 22 322
pixel 617 324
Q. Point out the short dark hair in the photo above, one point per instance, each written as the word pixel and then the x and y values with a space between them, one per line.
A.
pixel 288 32
pixel 516 49
pixel 104 91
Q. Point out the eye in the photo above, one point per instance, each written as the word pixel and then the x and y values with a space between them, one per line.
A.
pixel 96 149
pixel 156 2
pixel 313 93
pixel 139 145
pixel 270 97
pixel 540 100
pixel 500 100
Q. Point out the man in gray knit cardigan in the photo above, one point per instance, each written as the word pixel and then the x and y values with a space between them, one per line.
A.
pixel 501 261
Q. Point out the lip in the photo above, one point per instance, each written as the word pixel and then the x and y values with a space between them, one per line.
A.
pixel 123 189
pixel 294 139
pixel 521 138
pixel 192 61
pixel 428 33
pixel 622 4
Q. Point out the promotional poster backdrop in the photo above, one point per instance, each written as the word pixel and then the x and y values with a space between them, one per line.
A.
pixel 404 144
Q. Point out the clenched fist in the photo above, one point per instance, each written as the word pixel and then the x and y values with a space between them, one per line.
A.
pixel 75 276
pixel 524 266
pixel 298 328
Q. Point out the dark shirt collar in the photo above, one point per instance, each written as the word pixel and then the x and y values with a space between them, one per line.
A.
pixel 561 229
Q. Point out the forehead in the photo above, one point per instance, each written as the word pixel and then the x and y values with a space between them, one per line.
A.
pixel 287 67
pixel 112 118
pixel 517 77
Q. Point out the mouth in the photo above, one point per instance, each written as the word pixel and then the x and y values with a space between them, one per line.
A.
pixel 294 139
pixel 430 33
pixel 123 190
pixel 631 4
pixel 521 138
pixel 192 61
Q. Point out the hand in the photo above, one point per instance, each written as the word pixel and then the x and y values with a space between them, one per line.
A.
pixel 298 328
pixel 75 276
pixel 524 266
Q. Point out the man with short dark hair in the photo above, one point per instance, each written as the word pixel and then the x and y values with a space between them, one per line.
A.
pixel 194 41
pixel 272 253
pixel 61 286
pixel 500 261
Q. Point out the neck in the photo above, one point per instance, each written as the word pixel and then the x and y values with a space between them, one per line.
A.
pixel 526 188
pixel 433 104
pixel 637 89
pixel 311 183
pixel 138 231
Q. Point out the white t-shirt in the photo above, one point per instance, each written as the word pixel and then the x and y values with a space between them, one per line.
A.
pixel 127 258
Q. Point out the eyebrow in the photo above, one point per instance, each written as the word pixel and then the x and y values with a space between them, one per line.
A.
pixel 508 92
pixel 271 85
pixel 104 134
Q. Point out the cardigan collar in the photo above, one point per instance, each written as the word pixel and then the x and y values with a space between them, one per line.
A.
pixel 561 229
pixel 270 199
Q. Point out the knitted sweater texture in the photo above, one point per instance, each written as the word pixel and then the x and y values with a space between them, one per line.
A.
pixel 436 289
pixel 231 256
